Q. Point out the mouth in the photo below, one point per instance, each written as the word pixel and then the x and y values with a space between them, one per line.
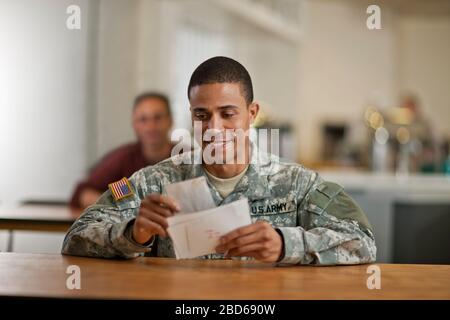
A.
pixel 220 143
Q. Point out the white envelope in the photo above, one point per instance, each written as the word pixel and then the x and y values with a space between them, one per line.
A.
pixel 203 234
pixel 192 195
pixel 181 218
pixel 197 234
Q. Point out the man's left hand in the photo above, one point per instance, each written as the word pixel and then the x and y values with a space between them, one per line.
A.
pixel 258 240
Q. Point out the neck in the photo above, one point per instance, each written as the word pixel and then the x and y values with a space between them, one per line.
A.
pixel 225 171
pixel 156 153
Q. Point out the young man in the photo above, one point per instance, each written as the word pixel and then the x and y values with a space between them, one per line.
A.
pixel 152 121
pixel 297 217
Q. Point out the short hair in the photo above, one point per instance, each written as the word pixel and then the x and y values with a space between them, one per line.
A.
pixel 153 95
pixel 222 70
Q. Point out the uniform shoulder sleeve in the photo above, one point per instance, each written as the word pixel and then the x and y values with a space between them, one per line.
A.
pixel 332 228
pixel 103 229
pixel 331 198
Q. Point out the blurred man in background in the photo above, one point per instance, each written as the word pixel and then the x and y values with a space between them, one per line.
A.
pixel 152 121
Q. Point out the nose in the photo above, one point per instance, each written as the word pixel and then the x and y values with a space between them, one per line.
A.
pixel 215 122
pixel 152 122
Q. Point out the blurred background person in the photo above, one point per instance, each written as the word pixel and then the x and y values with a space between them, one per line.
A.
pixel 152 121
pixel 426 152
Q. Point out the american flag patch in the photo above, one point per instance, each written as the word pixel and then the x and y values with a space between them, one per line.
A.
pixel 120 189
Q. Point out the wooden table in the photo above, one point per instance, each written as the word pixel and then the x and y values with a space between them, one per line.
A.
pixel 38 218
pixel 37 275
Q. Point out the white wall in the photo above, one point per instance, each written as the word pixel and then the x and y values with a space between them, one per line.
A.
pixel 344 67
pixel 44 94
pixel 117 62
pixel 425 65
pixel 43 97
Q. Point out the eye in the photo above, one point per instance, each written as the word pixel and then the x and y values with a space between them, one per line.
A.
pixel 200 115
pixel 142 119
pixel 227 115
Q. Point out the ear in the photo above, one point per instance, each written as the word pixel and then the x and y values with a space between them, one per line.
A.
pixel 253 110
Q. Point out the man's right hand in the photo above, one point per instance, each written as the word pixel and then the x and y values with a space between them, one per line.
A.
pixel 152 217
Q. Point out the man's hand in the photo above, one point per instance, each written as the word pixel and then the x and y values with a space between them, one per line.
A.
pixel 258 240
pixel 151 219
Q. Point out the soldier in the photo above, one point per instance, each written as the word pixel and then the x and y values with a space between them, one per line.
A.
pixel 298 218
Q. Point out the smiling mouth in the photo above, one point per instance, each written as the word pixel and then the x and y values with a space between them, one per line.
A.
pixel 220 143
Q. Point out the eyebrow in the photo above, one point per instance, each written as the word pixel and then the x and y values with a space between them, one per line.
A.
pixel 221 108
pixel 230 106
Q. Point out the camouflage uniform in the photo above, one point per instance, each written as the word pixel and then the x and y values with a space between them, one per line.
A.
pixel 319 223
